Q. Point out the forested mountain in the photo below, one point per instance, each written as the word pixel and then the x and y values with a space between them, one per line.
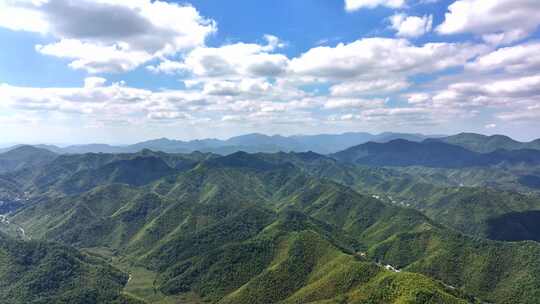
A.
pixel 431 153
pixel 24 157
pixel 286 227
pixel 482 143
pixel 40 272
pixel 322 143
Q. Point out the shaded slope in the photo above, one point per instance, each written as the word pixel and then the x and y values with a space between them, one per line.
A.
pixel 24 157
pixel 515 226
pixel 470 210
pixel 431 154
pixel 484 144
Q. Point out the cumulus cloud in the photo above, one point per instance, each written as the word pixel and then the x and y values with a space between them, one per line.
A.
pixel 512 87
pixel 377 87
pixel 348 103
pixel 98 101
pixel 411 26
pixel 353 5
pixel 234 88
pixel 512 98
pixel 522 58
pixel 397 117
pixel 239 59
pixel 418 98
pixel 94 82
pixel 95 58
pixel 232 60
pixel 374 58
pixel 497 21
pixel 167 66
pixel 109 35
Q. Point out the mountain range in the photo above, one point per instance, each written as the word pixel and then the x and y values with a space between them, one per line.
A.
pixel 431 153
pixel 323 143
pixel 393 222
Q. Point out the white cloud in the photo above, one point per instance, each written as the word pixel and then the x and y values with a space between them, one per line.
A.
pixel 234 88
pixel 100 103
pixel 510 98
pixel 95 58
pixel 530 113
pixel 411 26
pixel 522 58
pixel 353 5
pixel 94 82
pixel 348 103
pixel 163 115
pixel 109 35
pixel 376 87
pixel 167 66
pixel 22 17
pixel 376 58
pixel 239 59
pixel 418 98
pixel 498 21
pixel 512 87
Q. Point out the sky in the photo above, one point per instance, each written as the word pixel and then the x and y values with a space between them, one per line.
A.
pixel 123 71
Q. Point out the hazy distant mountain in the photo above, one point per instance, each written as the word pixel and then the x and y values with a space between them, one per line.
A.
pixel 253 143
pixel 319 143
pixel 24 157
pixel 483 143
pixel 431 153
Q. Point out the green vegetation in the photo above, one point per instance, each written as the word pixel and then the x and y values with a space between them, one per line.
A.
pixel 433 153
pixel 38 272
pixel 484 144
pixel 24 157
pixel 277 228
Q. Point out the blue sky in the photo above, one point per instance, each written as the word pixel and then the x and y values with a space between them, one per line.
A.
pixel 123 71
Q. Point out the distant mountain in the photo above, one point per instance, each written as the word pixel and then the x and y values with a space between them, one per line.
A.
pixel 255 142
pixel 24 157
pixel 430 153
pixel 405 153
pixel 320 143
pixel 136 171
pixel 252 143
pixel 484 144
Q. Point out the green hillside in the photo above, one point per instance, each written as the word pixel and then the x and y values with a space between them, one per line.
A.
pixel 278 228
pixel 483 143
pixel 24 157
pixel 38 272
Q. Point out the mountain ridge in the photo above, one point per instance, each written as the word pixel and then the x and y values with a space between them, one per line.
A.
pixel 431 153
pixel 253 142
